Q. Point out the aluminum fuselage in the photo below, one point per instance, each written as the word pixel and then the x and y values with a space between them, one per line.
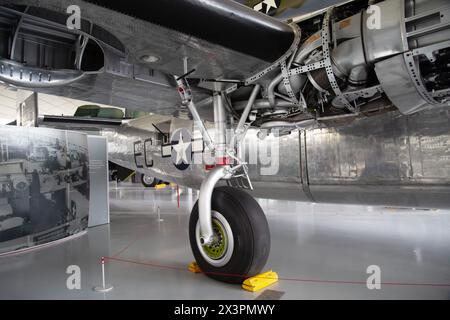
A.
pixel 390 160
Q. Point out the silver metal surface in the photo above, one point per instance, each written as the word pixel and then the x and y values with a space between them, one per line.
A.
pixel 404 161
pixel 204 203
pixel 187 100
pixel 271 88
pixel 120 86
pixel 388 159
pixel 292 50
pixel 287 85
pixel 34 78
pixel 388 40
pixel 399 86
pixel 220 123
pixel 326 38
pixel 363 93
pixel 347 56
pixel 248 108
pixel 427 22
pixel 307 68
pixel 128 80
pixel 262 104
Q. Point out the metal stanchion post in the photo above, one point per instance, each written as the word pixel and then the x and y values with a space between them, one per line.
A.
pixel 159 215
pixel 103 288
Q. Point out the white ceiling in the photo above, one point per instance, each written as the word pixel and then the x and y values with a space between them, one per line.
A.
pixel 48 105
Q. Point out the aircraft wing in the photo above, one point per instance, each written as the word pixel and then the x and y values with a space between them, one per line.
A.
pixel 221 40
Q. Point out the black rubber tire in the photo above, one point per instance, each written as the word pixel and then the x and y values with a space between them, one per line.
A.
pixel 250 232
pixel 152 185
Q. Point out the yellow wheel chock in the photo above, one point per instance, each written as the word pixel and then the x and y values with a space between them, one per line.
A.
pixel 260 281
pixel 194 268
pixel 252 284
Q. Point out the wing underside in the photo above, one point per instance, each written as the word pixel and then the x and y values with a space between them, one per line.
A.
pixel 219 39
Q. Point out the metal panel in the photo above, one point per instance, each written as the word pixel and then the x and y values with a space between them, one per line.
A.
pixel 141 38
pixel 397 84
pixel 367 152
pixel 99 182
pixel 388 159
pixel 387 40
pixel 430 146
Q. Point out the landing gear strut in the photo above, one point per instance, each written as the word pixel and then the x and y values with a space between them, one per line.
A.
pixel 228 230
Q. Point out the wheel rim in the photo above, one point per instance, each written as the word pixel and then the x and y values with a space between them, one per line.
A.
pixel 220 251
pixel 148 180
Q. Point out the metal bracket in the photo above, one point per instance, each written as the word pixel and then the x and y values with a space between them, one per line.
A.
pixel 428 50
pixel 80 48
pixel 287 84
pixel 240 179
pixel 187 99
pixel 252 79
pixel 363 93
pixel 16 34
pixel 307 68
pixel 328 64
pixel 414 73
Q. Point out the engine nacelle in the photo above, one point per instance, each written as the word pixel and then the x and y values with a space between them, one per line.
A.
pixel 399 48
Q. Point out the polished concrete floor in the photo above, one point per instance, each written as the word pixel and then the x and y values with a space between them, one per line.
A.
pixel 319 251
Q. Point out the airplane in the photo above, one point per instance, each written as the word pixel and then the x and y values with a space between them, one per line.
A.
pixel 349 104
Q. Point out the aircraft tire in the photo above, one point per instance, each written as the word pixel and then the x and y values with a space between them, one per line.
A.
pixel 242 237
pixel 148 182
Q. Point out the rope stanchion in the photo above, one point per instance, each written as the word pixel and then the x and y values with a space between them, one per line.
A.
pixel 103 288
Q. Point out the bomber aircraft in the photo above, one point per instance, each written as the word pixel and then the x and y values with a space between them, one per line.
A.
pixel 348 104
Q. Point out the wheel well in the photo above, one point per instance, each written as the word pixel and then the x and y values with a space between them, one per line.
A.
pixel 39 38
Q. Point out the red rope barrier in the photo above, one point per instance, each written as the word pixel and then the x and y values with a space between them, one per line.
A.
pixel 160 266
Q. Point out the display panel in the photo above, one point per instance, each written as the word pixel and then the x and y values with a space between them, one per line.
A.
pixel 44 186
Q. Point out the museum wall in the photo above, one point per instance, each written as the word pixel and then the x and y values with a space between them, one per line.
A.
pixel 44 186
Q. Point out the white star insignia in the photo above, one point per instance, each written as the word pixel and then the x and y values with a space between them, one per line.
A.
pixel 269 4
pixel 181 150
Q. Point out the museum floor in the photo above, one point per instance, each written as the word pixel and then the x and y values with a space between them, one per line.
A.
pixel 319 251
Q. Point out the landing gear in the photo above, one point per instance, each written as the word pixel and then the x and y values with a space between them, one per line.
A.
pixel 228 231
pixel 148 181
pixel 241 238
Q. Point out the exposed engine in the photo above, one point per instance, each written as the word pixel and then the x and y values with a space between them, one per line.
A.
pixel 361 58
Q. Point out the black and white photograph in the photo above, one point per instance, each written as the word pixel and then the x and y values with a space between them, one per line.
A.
pixel 44 181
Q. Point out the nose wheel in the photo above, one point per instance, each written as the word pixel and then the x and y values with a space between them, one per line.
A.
pixel 240 243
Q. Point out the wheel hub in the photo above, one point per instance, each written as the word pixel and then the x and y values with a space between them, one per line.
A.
pixel 148 180
pixel 219 252
pixel 218 247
